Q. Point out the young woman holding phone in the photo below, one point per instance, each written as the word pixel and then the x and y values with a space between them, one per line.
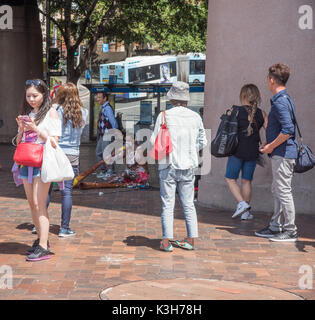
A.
pixel 37 121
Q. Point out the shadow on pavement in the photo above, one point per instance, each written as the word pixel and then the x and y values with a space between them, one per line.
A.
pixel 300 245
pixel 140 241
pixel 53 228
pixel 13 248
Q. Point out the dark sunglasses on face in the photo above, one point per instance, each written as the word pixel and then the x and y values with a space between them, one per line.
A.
pixel 35 82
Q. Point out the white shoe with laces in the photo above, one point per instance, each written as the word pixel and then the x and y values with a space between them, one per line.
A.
pixel 242 207
pixel 247 216
pixel 100 175
pixel 107 175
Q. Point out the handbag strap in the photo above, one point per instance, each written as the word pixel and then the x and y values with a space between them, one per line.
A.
pixel 13 141
pixel 293 116
pixel 163 119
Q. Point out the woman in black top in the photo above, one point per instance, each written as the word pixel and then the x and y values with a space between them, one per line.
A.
pixel 250 120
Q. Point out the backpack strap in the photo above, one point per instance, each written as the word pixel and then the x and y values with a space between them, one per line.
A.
pixel 234 110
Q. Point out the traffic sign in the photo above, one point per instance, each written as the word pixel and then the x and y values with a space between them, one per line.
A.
pixel 105 47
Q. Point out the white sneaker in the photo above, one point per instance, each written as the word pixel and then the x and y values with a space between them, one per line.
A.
pixel 100 175
pixel 107 175
pixel 247 216
pixel 242 207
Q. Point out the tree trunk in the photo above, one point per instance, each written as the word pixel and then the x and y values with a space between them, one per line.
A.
pixel 129 49
pixel 73 73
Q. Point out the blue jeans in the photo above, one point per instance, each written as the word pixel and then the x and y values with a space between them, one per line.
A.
pixel 100 147
pixel 66 195
pixel 183 180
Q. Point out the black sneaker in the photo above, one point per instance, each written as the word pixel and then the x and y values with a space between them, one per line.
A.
pixel 286 236
pixel 34 245
pixel 267 233
pixel 39 254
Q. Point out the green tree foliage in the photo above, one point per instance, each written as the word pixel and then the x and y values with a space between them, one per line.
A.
pixel 183 25
pixel 177 26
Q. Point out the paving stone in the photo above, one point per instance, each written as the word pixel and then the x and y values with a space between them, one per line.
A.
pixel 117 243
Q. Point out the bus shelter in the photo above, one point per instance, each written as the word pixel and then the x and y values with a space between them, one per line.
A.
pixel 152 89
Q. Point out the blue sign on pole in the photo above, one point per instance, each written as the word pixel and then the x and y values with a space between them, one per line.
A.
pixel 105 47
pixel 118 88
pixel 145 112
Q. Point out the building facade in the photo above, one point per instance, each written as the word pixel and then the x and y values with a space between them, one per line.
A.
pixel 245 37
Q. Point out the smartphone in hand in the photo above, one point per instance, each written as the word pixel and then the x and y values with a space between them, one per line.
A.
pixel 25 118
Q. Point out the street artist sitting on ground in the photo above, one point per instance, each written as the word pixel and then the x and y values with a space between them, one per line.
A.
pixel 136 172
pixel 137 169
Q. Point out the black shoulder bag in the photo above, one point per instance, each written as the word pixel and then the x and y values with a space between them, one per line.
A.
pixel 305 160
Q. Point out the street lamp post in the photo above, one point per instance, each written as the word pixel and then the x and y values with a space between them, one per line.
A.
pixel 47 40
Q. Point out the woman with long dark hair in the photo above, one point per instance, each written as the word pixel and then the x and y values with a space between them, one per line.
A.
pixel 73 117
pixel 250 119
pixel 37 121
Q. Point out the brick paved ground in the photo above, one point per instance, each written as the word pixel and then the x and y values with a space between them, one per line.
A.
pixel 117 242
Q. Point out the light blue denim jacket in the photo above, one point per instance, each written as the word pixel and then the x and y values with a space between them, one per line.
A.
pixel 71 137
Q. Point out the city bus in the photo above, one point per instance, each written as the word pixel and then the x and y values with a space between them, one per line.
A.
pixel 197 66
pixel 155 69
pixel 145 69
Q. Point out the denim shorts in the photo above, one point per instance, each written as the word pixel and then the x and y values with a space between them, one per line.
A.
pixel 235 165
pixel 24 172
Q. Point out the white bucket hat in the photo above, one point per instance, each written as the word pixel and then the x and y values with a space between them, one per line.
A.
pixel 179 91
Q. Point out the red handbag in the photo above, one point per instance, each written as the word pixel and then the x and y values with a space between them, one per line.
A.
pixel 163 144
pixel 29 154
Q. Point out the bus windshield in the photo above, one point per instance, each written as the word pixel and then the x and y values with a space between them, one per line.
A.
pixel 197 66
pixel 160 72
pixel 146 73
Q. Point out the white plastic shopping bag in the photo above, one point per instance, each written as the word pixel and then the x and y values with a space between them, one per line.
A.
pixel 56 166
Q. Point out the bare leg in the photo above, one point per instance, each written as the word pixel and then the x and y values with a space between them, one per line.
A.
pixel 40 190
pixel 28 187
pixel 235 189
pixel 246 190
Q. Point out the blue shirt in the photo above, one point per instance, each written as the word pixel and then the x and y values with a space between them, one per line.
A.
pixel 71 137
pixel 280 119
pixel 107 113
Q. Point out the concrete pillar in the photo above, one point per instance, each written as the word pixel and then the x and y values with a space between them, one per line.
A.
pixel 21 58
pixel 244 38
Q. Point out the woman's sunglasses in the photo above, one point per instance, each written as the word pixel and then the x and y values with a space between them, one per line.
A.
pixel 35 82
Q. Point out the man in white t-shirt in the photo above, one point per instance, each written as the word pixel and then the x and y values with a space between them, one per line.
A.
pixel 177 170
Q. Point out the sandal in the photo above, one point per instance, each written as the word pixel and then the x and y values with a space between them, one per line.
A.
pixel 184 244
pixel 169 248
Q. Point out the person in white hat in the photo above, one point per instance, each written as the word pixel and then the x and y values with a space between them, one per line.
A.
pixel 177 170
